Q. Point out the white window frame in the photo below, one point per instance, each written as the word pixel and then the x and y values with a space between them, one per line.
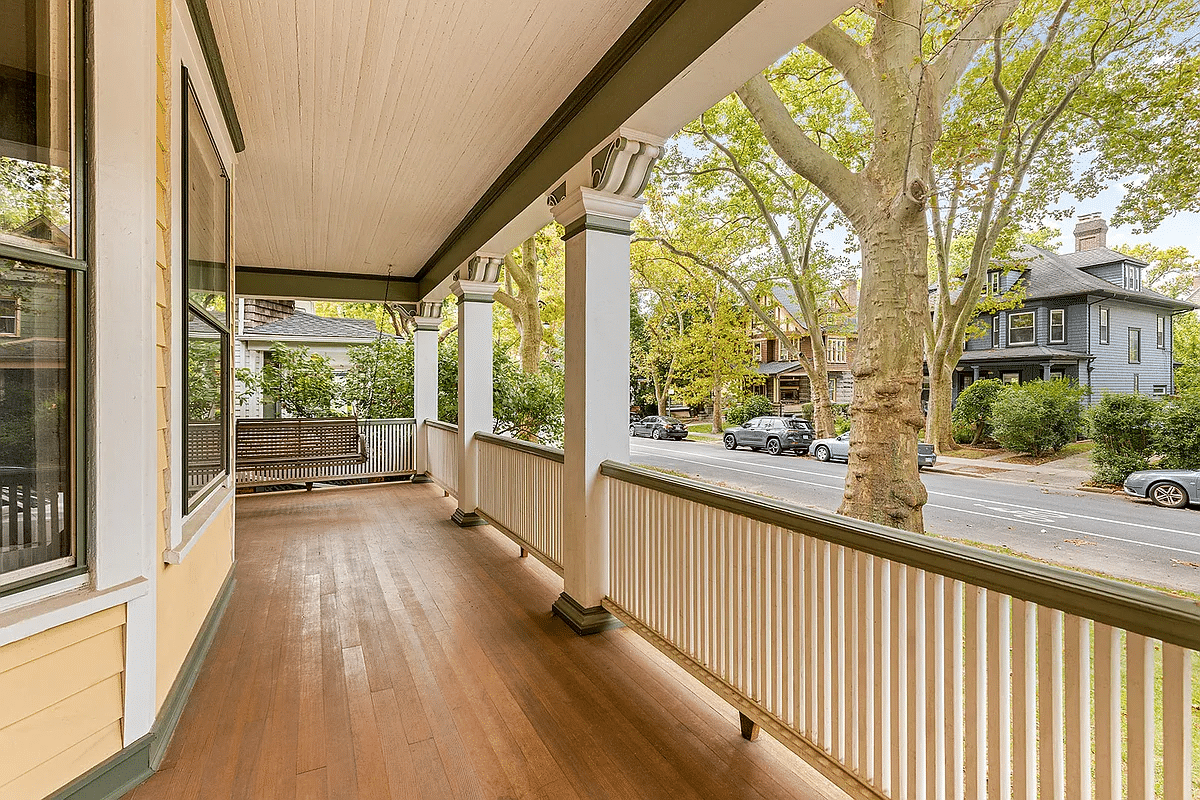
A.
pixel 1061 313
pixel 1159 390
pixel 1010 378
pixel 15 316
pixel 1137 389
pixel 1032 327
pixel 993 285
pixel 995 330
pixel 1133 277
pixel 835 350
pixel 1135 356
pixel 1104 330
pixel 1161 335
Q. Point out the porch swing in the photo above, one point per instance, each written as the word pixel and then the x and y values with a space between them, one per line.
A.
pixel 300 443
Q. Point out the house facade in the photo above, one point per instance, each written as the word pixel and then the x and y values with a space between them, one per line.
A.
pixel 330 337
pixel 785 382
pixel 1086 316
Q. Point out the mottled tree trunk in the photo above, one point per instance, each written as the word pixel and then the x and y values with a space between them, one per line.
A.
pixel 823 421
pixel 883 484
pixel 522 304
pixel 939 428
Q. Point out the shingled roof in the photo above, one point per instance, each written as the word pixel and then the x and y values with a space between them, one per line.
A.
pixel 302 325
pixel 1049 274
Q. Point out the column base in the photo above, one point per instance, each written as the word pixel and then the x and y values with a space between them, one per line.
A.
pixel 421 478
pixel 584 621
pixel 467 519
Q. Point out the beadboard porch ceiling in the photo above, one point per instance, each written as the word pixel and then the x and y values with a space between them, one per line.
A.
pixel 386 137
pixel 373 126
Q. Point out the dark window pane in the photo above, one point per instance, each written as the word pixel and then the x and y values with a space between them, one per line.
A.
pixel 35 437
pixel 1020 328
pixel 207 220
pixel 204 433
pixel 35 129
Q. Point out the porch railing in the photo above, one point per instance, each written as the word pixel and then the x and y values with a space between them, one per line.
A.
pixel 904 666
pixel 520 493
pixel 32 520
pixel 389 445
pixel 442 446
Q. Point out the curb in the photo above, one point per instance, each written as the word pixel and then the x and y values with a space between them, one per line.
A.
pixel 1099 490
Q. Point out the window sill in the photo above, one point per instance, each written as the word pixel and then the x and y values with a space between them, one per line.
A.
pixel 198 522
pixel 28 613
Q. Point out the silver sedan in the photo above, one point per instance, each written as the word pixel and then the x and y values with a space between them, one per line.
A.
pixel 1171 488
pixel 838 449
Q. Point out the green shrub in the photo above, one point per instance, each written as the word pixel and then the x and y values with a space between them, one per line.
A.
pixel 1122 425
pixel 840 425
pixel 1177 434
pixel 1038 417
pixel 962 434
pixel 973 409
pixel 806 411
pixel 755 405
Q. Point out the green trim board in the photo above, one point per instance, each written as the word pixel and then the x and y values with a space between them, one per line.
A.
pixel 133 764
pixel 216 70
pixel 1121 605
pixel 314 285
pixel 596 222
pixel 664 40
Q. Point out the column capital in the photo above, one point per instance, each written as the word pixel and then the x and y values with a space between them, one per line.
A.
pixel 608 198
pixel 591 209
pixel 478 279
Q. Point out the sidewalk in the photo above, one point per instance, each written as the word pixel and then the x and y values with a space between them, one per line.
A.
pixel 1066 473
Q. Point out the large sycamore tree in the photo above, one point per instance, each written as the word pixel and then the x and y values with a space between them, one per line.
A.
pixel 903 64
pixel 723 202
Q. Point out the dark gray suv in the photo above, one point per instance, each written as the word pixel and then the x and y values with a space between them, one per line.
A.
pixel 773 434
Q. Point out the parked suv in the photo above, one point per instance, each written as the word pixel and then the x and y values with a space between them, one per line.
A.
pixel 773 434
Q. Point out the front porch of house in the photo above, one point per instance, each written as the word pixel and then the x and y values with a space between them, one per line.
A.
pixel 372 648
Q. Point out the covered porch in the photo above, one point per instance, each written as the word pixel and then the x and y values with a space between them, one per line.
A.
pixel 374 649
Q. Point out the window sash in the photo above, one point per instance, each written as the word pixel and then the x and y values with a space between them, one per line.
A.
pixel 1162 333
pixel 197 433
pixel 995 330
pixel 1135 346
pixel 1103 326
pixel 1058 325
pixel 74 262
pixel 1022 328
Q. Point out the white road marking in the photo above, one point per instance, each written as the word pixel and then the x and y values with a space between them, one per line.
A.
pixel 1011 506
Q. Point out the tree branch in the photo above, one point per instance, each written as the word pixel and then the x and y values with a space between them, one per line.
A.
pixel 846 55
pixel 951 63
pixel 846 189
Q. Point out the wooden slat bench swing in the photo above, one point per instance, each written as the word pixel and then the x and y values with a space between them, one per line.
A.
pixel 298 443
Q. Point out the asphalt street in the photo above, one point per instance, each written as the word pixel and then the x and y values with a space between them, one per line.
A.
pixel 1112 534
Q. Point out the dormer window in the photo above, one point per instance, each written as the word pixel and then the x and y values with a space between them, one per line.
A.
pixel 1133 277
pixel 993 284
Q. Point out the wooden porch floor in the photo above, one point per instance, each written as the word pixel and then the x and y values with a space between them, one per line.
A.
pixel 373 649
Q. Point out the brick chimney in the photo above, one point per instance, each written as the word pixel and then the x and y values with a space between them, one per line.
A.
pixel 1091 232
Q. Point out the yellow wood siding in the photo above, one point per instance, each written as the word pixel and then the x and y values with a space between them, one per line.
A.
pixel 63 703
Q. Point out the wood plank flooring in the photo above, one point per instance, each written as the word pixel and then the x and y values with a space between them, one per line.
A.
pixel 373 649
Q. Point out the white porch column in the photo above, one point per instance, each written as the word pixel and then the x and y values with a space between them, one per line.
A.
pixel 475 287
pixel 425 381
pixel 598 222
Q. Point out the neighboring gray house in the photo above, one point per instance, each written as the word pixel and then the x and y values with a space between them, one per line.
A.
pixel 331 337
pixel 1086 317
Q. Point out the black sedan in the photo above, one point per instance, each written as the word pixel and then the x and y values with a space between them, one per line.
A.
pixel 659 428
pixel 773 434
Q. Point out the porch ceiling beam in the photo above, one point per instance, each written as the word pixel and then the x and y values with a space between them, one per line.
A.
pixel 311 285
pixel 660 44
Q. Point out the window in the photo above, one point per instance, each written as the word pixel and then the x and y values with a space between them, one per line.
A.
pixel 1010 377
pixel 995 330
pixel 835 349
pixel 1058 325
pixel 1160 390
pixel 43 275
pixel 1162 333
pixel 1133 277
pixel 206 295
pixel 1135 346
pixel 9 323
pixel 1137 384
pixel 1021 328
pixel 993 284
pixel 1103 325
